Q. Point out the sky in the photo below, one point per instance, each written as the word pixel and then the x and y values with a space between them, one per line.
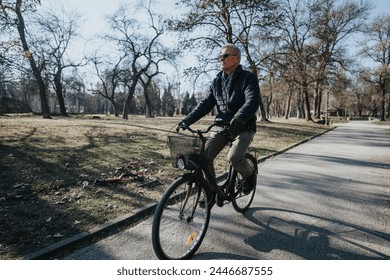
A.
pixel 95 11
pixel 94 21
pixel 382 6
pixel 94 14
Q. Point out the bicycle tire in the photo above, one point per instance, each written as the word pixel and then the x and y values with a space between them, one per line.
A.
pixel 175 235
pixel 241 201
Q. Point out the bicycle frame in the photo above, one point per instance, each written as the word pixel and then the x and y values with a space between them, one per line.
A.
pixel 182 215
pixel 201 164
pixel 203 170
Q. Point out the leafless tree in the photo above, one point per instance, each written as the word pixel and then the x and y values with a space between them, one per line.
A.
pixel 56 29
pixel 110 76
pixel 377 48
pixel 362 93
pixel 298 46
pixel 143 48
pixel 211 24
pixel 313 36
pixel 12 14
pixel 334 22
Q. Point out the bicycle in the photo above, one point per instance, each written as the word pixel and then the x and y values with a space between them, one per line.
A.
pixel 182 215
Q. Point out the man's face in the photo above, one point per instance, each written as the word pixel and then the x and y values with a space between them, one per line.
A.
pixel 229 60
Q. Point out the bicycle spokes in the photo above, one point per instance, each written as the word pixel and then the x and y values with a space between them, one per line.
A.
pixel 180 223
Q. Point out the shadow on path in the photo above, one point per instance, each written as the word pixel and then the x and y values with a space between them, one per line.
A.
pixel 324 239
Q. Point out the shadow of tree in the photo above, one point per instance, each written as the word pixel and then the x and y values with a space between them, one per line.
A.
pixel 310 241
pixel 45 190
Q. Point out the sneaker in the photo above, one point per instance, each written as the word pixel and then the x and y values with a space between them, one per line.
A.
pixel 249 183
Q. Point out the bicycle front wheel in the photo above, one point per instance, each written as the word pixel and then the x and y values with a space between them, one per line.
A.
pixel 181 219
pixel 242 201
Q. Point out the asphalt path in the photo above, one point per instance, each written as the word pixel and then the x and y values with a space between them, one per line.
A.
pixel 326 199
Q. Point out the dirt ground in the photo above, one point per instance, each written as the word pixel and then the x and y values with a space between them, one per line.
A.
pixel 64 176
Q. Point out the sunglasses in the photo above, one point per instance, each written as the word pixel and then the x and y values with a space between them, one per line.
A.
pixel 226 55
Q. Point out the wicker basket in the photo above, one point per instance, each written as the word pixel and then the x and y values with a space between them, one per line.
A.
pixel 182 145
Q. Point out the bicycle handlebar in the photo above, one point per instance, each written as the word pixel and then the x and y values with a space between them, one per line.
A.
pixel 217 122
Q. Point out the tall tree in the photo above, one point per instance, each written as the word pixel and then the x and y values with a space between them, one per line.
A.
pixel 142 46
pixel 18 8
pixel 58 27
pixel 377 48
pixel 211 24
pixel 110 77
pixel 298 46
pixel 334 22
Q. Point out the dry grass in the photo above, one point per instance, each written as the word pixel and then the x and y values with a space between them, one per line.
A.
pixel 49 168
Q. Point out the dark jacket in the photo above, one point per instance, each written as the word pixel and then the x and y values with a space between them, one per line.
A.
pixel 242 101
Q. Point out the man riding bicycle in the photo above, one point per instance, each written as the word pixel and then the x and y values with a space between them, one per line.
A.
pixel 236 94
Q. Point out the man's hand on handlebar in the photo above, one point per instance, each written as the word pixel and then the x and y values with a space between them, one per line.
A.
pixel 183 125
pixel 233 128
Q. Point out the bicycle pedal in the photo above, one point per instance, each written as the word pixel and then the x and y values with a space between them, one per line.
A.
pixel 202 203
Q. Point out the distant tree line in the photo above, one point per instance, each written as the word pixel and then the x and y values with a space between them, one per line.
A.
pixel 297 48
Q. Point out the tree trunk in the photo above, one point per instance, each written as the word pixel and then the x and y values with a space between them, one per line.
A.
pixel 383 102
pixel 300 105
pixel 271 92
pixel 59 93
pixel 115 107
pixel 318 100
pixel 148 103
pixel 61 103
pixel 319 103
pixel 288 105
pixel 128 99
pixel 388 107
pixel 306 102
pixel 37 74
pixel 263 112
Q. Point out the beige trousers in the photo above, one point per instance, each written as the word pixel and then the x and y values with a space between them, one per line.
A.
pixel 236 154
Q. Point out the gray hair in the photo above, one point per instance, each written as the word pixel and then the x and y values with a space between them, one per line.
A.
pixel 233 47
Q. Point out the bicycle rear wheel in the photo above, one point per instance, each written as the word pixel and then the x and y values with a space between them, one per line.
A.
pixel 181 219
pixel 242 201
